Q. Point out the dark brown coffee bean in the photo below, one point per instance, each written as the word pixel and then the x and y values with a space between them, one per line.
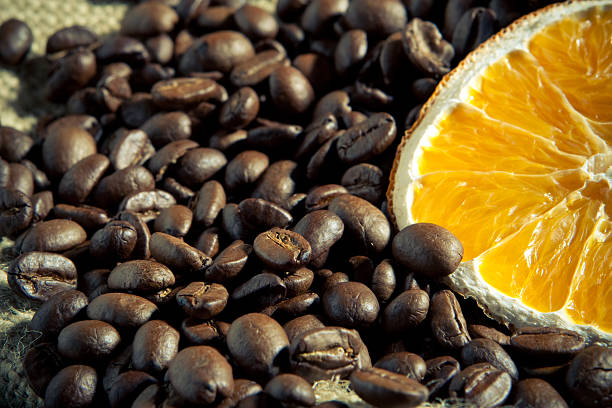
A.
pixel 148 19
pixel 155 345
pixel 272 135
pixel 277 183
pixel 383 280
pixel 14 145
pixel 143 235
pixel 41 275
pixel 70 73
pixel 481 384
pixel 351 304
pixel 16 176
pixel 209 242
pixel 261 291
pixel 210 332
pixel 167 127
pixel 228 141
pixel 124 49
pixel 78 182
pixel 506 11
pixel 57 312
pixel 426 48
pixel 40 364
pixel 404 363
pixel 257 343
pixel 282 249
pixel 71 37
pixel 218 51
pixel 333 280
pixel 323 353
pixel 198 165
pixel 350 51
pixel 258 214
pixel 336 102
pixel 305 303
pixel 180 192
pixel 367 139
pixel 128 386
pixel 92 279
pixel 112 90
pixel 136 110
pixel 147 204
pixel 257 68
pixel 73 386
pixel 16 40
pixel 475 26
pixel 298 281
pixel 202 300
pixel 427 249
pixel 88 217
pixel 301 324
pixel 536 393
pixel 255 22
pixel 232 222
pixel 366 181
pixel 406 311
pixel 290 90
pixel 16 212
pixel 120 184
pixel 42 204
pixel 182 93
pixel 546 342
pixel 168 155
pixel 174 220
pixel 488 351
pixel 118 364
pixel 479 331
pixel 73 144
pixel 177 254
pixel 447 321
pixel 87 340
pixel 240 109
pixel 317 68
pixel 229 263
pixel 129 148
pixel 589 377
pixel 363 222
pixel 318 132
pixel 319 197
pixel 440 371
pixel 422 88
pixel 385 388
pixel 121 309
pixel 453 12
pixel 41 181
pixel 320 15
pixel 290 389
pixel 53 236
pixel 245 169
pixel 322 229
pixel 141 276
pixel 208 203
pixel 115 241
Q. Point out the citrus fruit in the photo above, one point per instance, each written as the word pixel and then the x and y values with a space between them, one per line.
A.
pixel 512 154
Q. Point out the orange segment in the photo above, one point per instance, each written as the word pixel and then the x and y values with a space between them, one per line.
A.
pixel 480 143
pixel 577 56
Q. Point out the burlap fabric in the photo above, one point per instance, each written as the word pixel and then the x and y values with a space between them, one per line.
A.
pixel 21 104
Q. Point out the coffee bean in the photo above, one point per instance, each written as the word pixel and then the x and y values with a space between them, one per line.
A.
pixel 255 22
pixel 92 281
pixel 323 353
pixel 257 68
pixel 57 312
pixel 378 19
pixel 363 222
pixel 168 155
pixel 70 73
pixel 290 389
pixel 453 12
pixel 536 393
pixel 53 236
pixel 351 304
pixel 122 48
pixel 218 51
pixel 16 40
pixel 383 280
pixel 232 223
pixel 214 18
pixel 427 249
pixel 198 165
pixel 121 309
pixel 182 93
pixel 140 276
pixel 406 311
pixel 385 388
pixel 16 176
pixel 229 263
pixel 290 90
pixel 351 49
pixel 164 128
pixel 546 342
pixel 200 374
pixel 426 48
pixel 319 197
pixel 116 240
pixel 129 148
pixel 115 187
pixel 447 321
pixel 282 249
pixel 40 364
pixel 147 204
pixel 90 218
pixel 128 386
pixel 298 281
pixel 481 384
pixel 42 204
pixel 301 324
pixel 177 254
pixel 148 19
pixel 322 229
pixel 479 331
pixel 202 300
pixel 366 181
pixel 475 26
pixel 87 340
pixel 333 280
pixel 14 145
pixel 305 303
pixel 71 37
pixel 155 345
pixel 73 143
pixel 440 371
pixel 589 376
pixel 174 220
pixel 319 15
pixel 240 109
pixel 208 203
pixel 78 182
pixel 16 212
pixel 260 291
pixel 257 344
pixel 258 214
pixel 180 192
pixel 73 386
pixel 210 332
pixel 277 183
pixel 245 169
pixel 488 351
pixel 367 139
pixel 404 363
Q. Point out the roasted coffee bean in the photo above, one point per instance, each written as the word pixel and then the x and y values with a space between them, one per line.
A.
pixel 481 384
pixel 290 389
pixel 210 332
pixel 119 363
pixel 367 139
pixel 200 374
pixel 129 148
pixel 92 281
pixel 40 364
pixel 406 311
pixel 202 300
pixel 378 19
pixel 536 393
pixel 506 11
pixel 52 236
pixel 14 145
pixel 41 181
pixel 128 386
pixel 112 90
pixel 115 187
pixel 80 180
pixel 257 343
pixel 290 90
pixel 70 73
pixel 255 22
pixel 257 68
pixel 404 363
pixel 174 220
pixel 351 49
pixel 198 165
pixel 351 304
pixel 383 280
pixel 333 280
pixel 166 127
pixel 232 222
pixel 546 342
pixel 440 371
pixel 209 242
pixel 323 353
pixel 319 15
pixel 240 109
pixel 124 49
pixel 16 176
pixel 258 214
pixel 453 12
pixel 136 110
pixel 282 249
pixel 73 143
pixel 245 169
pixel 90 218
pixel 363 222
pixel 475 26
pixel 447 321
pixel 228 264
pixel 16 40
pixel 277 183
pixel 259 292
pixel 116 240
pixel 426 48
pixel 87 340
pixel 366 181
pixel 218 51
pixel 122 310
pixel 148 19
pixel 71 37
pixel 143 235
pixel 422 88
pixel 182 93
pixel 370 97
pixel 488 351
pixel 289 10
pixel 589 377
pixel 479 331
pixel 301 324
pixel 225 141
pixel 427 249
pixel 155 345
pixel 140 276
pixel 385 388
pixel 298 281
pixel 167 155
pixel 319 197
pixel 16 212
pixel 305 303
pixel 177 254
pixel 57 312
pixel 243 389
pixel 208 203
pixel 271 135
pixel 73 386
pixel 180 192
pixel 336 102
pixel 42 204
pixel 147 204
pixel 322 229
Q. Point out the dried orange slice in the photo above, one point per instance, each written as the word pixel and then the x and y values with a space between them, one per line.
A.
pixel 512 153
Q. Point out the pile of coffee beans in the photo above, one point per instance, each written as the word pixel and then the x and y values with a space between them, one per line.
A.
pixel 207 226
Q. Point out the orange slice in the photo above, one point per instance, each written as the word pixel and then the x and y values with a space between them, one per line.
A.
pixel 512 153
